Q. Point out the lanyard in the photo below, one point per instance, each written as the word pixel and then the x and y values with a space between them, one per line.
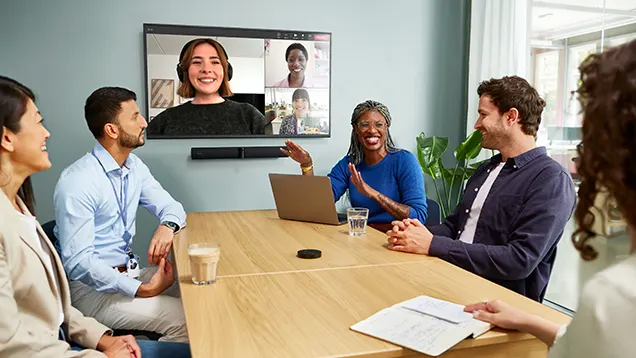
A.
pixel 122 200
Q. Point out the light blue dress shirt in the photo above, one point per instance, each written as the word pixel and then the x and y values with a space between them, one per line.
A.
pixel 89 229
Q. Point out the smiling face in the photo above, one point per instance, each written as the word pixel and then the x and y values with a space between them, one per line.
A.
pixel 301 107
pixel 371 129
pixel 205 71
pixel 296 63
pixel 27 147
pixel 491 124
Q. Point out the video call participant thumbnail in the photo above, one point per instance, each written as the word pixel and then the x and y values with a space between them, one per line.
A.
pixel 296 57
pixel 293 123
pixel 204 72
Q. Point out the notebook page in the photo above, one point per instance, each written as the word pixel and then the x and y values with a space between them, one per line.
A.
pixel 445 310
pixel 414 330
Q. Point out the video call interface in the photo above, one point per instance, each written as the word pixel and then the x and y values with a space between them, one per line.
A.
pixel 266 66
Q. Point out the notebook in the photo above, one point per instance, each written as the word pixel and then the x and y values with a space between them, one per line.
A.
pixel 423 324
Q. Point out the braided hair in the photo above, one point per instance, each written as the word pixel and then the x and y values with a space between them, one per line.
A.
pixel 356 149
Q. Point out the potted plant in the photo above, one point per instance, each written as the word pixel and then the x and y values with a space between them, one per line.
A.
pixel 452 179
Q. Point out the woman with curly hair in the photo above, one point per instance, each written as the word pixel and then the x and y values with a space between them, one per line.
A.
pixel 602 325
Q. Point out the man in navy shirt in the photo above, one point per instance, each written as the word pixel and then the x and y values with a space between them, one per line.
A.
pixel 515 206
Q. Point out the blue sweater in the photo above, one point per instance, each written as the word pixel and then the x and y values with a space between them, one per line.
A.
pixel 398 176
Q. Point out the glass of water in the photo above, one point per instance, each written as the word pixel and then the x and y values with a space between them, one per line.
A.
pixel 357 218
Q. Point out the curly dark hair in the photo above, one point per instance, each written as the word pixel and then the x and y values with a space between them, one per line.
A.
pixel 607 156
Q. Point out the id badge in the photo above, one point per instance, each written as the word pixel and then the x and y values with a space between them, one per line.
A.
pixel 132 266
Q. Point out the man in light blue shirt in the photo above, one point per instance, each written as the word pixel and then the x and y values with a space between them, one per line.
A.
pixel 96 200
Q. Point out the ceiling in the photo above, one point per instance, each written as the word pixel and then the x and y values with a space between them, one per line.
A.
pixel 559 19
pixel 235 47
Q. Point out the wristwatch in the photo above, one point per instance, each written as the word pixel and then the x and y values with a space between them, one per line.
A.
pixel 171 225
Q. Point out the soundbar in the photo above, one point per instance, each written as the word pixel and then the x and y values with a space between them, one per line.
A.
pixel 235 152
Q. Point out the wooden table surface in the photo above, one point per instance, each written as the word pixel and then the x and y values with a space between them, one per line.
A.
pixel 269 303
pixel 258 242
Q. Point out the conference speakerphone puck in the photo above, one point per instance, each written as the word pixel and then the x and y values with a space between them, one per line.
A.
pixel 309 254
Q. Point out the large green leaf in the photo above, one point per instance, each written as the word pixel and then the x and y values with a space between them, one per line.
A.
pixel 469 148
pixel 432 169
pixel 429 154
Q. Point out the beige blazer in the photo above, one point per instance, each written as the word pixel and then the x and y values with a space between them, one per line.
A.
pixel 29 300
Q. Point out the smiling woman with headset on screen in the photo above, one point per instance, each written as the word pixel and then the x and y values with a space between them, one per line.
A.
pixel 204 72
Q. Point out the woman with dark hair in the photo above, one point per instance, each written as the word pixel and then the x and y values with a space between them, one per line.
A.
pixel 386 180
pixel 293 123
pixel 37 318
pixel 296 57
pixel 604 321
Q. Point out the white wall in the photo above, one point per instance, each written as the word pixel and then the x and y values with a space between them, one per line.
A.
pixel 160 67
pixel 248 75
pixel 410 55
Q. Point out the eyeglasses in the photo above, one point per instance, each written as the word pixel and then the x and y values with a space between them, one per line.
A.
pixel 366 125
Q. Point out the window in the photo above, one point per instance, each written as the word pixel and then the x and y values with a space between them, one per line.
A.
pixel 564 33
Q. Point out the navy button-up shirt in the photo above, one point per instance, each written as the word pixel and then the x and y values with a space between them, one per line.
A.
pixel 520 224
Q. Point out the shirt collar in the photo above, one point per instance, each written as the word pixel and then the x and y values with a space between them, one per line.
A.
pixel 522 159
pixel 306 82
pixel 107 160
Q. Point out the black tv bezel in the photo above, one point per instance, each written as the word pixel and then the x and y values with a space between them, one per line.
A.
pixel 240 32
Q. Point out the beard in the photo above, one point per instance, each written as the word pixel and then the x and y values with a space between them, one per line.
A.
pixel 131 141
pixel 494 137
pixel 489 141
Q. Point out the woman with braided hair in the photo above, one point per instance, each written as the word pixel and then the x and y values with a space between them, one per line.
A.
pixel 379 176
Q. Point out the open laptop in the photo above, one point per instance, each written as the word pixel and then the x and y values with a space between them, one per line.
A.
pixel 305 198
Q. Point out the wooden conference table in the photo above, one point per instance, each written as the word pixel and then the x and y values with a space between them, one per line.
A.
pixel 269 303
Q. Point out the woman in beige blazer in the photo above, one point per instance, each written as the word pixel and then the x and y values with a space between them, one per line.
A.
pixel 36 316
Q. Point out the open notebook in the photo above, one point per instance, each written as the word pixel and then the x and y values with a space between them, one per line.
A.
pixel 423 324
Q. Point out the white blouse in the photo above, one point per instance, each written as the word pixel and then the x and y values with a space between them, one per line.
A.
pixel 605 322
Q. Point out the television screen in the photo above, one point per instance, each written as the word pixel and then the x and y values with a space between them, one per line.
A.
pixel 216 82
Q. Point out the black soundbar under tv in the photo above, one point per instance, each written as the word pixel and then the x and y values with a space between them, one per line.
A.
pixel 236 152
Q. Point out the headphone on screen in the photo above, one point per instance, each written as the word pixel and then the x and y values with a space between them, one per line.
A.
pixel 185 48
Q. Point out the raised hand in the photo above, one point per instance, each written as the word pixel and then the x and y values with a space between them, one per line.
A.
pixel 356 179
pixel 297 153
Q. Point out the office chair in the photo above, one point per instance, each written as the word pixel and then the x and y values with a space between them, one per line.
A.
pixel 434 216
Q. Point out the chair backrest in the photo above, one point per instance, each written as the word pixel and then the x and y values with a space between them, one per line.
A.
pixel 48 230
pixel 434 215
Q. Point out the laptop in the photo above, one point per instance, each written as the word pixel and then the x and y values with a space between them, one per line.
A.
pixel 305 198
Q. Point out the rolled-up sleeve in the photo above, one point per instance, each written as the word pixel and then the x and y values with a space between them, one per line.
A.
pixel 157 200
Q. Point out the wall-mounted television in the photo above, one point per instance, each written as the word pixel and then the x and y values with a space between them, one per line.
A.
pixel 220 82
